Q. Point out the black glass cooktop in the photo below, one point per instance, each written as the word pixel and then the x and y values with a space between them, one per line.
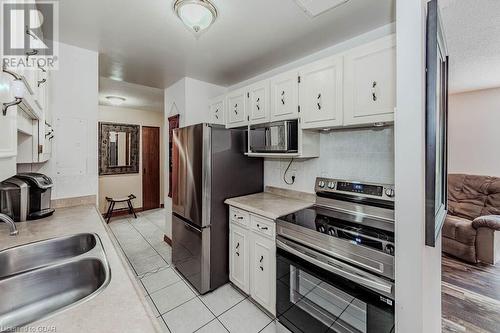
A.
pixel 313 219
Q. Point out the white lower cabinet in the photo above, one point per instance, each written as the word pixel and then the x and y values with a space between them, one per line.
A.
pixel 263 271
pixel 238 257
pixel 252 266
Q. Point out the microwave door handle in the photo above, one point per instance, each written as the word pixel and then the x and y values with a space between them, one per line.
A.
pixel 267 137
pixel 287 144
pixel 344 271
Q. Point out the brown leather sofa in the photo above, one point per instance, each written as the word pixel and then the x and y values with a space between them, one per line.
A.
pixel 471 230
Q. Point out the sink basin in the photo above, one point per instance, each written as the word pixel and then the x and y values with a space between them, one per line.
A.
pixel 35 294
pixel 41 278
pixel 38 254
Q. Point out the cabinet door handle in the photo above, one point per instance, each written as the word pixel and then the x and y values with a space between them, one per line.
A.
pixel 283 97
pixel 31 53
pixel 261 266
pixel 236 108
pixel 374 92
pixel 258 104
pixel 320 102
pixel 237 247
pixel 29 33
pixel 41 82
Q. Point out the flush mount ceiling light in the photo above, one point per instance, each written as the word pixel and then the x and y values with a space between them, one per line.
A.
pixel 115 100
pixel 197 15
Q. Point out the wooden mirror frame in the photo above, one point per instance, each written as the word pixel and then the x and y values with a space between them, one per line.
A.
pixel 104 129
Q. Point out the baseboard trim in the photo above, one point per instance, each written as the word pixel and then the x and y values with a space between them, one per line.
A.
pixel 123 211
pixel 74 201
pixel 167 240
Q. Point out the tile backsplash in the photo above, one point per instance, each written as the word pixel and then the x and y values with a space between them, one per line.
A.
pixel 353 154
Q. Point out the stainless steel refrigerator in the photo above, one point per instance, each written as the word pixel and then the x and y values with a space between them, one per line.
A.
pixel 209 166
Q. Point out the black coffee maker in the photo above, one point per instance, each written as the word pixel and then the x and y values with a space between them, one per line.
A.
pixel 39 193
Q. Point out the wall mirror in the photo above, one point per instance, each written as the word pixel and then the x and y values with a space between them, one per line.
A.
pixel 118 148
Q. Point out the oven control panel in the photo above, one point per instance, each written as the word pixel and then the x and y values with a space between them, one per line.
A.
pixel 360 189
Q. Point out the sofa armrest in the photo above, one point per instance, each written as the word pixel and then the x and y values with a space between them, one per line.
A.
pixel 487 221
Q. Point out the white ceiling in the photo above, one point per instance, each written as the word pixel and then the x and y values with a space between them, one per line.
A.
pixel 472 30
pixel 143 41
pixel 137 96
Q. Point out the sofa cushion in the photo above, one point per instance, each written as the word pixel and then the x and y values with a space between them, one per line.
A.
pixel 472 196
pixel 460 230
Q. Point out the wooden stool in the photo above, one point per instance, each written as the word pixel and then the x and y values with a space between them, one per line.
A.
pixel 113 201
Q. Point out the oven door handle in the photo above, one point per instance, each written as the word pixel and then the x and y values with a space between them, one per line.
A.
pixel 338 268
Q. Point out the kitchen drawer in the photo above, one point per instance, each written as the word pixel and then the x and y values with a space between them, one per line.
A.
pixel 262 225
pixel 238 216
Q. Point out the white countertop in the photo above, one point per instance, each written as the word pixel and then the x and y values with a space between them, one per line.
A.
pixel 268 204
pixel 119 307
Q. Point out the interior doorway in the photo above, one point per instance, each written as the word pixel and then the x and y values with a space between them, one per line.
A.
pixel 150 167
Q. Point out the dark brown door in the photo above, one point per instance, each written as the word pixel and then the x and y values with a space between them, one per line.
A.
pixel 150 167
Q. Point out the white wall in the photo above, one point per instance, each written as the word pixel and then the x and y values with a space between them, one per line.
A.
pixel 123 185
pixel 474 136
pixel 189 98
pixel 355 154
pixel 73 101
pixel 418 268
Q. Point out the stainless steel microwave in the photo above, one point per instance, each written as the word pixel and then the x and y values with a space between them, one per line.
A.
pixel 275 137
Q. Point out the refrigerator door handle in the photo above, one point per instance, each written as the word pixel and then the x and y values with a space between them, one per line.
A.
pixel 189 226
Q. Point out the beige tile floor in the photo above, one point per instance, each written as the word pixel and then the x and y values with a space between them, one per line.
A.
pixel 178 307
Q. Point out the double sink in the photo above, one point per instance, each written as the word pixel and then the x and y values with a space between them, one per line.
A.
pixel 41 278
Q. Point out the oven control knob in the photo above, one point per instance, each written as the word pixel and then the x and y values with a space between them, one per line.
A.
pixel 331 185
pixel 321 183
pixel 322 229
pixel 389 249
pixel 332 232
pixel 389 192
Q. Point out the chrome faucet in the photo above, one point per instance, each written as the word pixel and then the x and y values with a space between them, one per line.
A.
pixel 10 222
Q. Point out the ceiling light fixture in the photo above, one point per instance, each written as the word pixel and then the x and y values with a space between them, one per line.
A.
pixel 197 15
pixel 115 100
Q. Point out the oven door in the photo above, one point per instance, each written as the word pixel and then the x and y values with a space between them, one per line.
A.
pixel 313 299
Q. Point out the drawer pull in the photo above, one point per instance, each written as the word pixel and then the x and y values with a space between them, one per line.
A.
pixel 262 228
pixel 374 92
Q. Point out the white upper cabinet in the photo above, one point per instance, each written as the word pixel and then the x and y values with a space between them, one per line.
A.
pixel 258 102
pixel 285 96
pixel 236 109
pixel 355 88
pixel 8 128
pixel 217 111
pixel 320 93
pixel 370 83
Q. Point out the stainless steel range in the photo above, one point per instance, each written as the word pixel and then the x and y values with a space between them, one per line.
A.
pixel 335 260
